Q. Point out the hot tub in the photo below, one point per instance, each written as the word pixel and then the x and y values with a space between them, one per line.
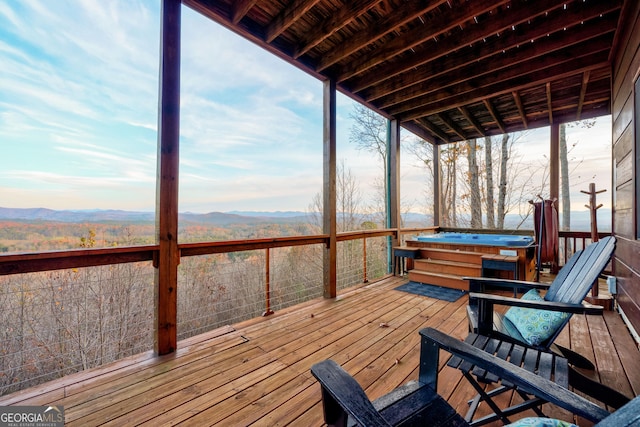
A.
pixel 504 240
pixel 453 254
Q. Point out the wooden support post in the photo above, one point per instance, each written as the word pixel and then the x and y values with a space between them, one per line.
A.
pixel 267 281
pixel 365 279
pixel 329 225
pixel 554 180
pixel 166 273
pixel 436 185
pixel 393 187
pixel 554 164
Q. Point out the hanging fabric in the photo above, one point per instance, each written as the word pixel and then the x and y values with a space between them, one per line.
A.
pixel 546 229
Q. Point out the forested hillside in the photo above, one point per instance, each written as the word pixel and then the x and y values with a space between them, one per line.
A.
pixel 63 321
pixel 27 235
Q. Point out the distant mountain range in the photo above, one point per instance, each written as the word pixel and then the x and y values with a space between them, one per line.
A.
pixel 580 220
pixel 217 218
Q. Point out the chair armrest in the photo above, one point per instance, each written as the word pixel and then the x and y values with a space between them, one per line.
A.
pixel 480 284
pixel 521 378
pixel 342 395
pixel 487 299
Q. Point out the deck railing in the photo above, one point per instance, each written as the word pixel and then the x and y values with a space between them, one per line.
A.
pixel 101 300
pixel 66 311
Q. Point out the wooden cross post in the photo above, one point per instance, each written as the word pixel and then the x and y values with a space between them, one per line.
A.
pixel 593 208
pixel 594 222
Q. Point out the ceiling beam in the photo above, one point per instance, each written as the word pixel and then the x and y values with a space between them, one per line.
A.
pixel 495 115
pixel 436 131
pixel 448 20
pixel 464 65
pixel 471 93
pixel 294 11
pixel 476 124
pixel 506 40
pixel 583 92
pixel 523 114
pixel 419 131
pixel 549 104
pixel 455 128
pixel 340 18
pixel 409 11
pixel 240 9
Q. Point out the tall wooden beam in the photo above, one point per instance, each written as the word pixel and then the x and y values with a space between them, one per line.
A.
pixel 329 188
pixel 436 185
pixel 554 163
pixel 393 178
pixel 166 273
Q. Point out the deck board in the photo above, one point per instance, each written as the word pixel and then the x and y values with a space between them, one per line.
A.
pixel 257 372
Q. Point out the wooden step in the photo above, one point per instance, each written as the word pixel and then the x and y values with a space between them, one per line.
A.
pixel 452 255
pixel 448 267
pixel 439 279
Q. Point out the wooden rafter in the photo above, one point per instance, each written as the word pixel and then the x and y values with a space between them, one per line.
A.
pixel 435 130
pixel 583 92
pixel 453 17
pixel 476 124
pixel 455 128
pixel 523 114
pixel 506 41
pixel 461 67
pixel 549 104
pixel 240 9
pixel 445 99
pixel 288 16
pixel 410 11
pixel 435 59
pixel 495 115
pixel 345 15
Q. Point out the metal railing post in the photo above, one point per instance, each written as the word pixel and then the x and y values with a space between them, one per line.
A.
pixel 267 281
pixel 364 260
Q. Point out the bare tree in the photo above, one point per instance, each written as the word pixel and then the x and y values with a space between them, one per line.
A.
pixel 502 189
pixel 489 199
pixel 565 192
pixel 474 184
pixel 423 151
pixel 369 132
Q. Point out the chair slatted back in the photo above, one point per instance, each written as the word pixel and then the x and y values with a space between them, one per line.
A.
pixel 576 278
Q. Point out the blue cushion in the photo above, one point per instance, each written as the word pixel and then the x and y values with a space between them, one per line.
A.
pixel 540 422
pixel 535 326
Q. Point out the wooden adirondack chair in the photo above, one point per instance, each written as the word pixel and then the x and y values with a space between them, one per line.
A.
pixel 417 403
pixel 565 294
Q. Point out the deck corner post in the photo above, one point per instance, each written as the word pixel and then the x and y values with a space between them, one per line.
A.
pixel 394 219
pixel 329 224
pixel 166 273
pixel 437 189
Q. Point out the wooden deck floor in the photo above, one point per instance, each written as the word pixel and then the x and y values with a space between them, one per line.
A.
pixel 257 372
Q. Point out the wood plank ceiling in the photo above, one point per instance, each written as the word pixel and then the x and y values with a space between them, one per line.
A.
pixel 448 70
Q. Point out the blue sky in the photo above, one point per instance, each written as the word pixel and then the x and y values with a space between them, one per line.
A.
pixel 78 115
